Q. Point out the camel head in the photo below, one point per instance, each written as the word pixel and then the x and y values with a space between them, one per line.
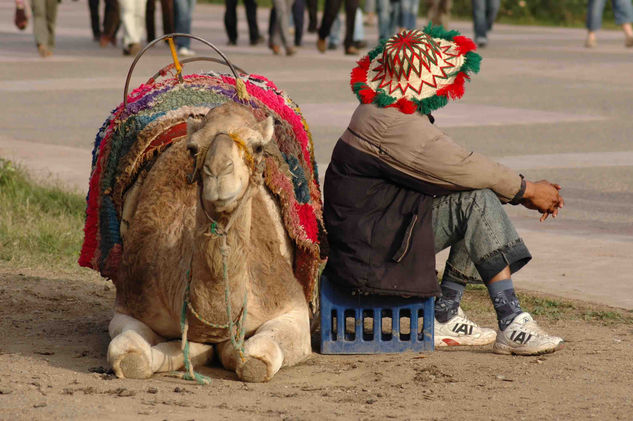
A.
pixel 228 149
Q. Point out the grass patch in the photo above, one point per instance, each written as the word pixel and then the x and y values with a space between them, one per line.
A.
pixel 477 304
pixel 40 226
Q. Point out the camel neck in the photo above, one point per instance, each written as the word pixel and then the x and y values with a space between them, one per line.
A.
pixel 209 267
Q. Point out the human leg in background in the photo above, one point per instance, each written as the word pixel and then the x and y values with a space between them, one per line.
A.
pixel 623 11
pixel 334 39
pixel 298 10
pixel 481 17
pixel 133 21
pixel 408 13
pixel 251 18
pixel 44 15
pixel 95 22
pixel 312 15
pixel 51 19
pixel 439 12
pixel 150 22
pixel 594 20
pixel 167 9
pixel 111 21
pixel 350 18
pixel 183 10
pixel 329 14
pixel 387 12
pixel 230 20
pixel 492 9
pixel 271 26
pixel 359 30
pixel 281 27
pixel 38 8
pixel 484 245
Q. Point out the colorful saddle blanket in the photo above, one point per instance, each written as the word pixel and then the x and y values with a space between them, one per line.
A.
pixel 155 117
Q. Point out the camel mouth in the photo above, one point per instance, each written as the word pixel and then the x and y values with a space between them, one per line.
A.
pixel 222 203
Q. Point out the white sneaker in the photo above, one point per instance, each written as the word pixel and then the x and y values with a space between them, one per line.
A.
pixel 186 52
pixel 460 331
pixel 524 337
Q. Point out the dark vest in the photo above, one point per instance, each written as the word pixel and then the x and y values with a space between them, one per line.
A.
pixel 379 225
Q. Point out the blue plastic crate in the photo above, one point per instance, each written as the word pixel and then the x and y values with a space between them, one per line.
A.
pixel 371 316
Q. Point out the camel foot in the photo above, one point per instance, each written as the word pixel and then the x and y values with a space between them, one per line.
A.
pixel 263 359
pixel 134 366
pixel 129 355
pixel 253 370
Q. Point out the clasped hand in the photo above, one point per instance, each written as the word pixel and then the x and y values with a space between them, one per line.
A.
pixel 544 197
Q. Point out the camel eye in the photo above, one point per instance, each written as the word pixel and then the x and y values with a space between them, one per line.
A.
pixel 258 148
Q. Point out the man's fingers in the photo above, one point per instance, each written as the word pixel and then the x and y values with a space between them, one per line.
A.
pixel 544 216
pixel 556 186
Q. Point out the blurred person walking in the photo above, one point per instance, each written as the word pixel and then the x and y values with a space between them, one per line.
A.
pixel 44 19
pixel 334 40
pixel 388 13
pixel 183 10
pixel 484 15
pixel 133 22
pixel 298 10
pixel 167 12
pixel 230 21
pixel 329 14
pixel 408 13
pixel 105 34
pixel 439 12
pixel 623 11
pixel 313 21
pixel 280 27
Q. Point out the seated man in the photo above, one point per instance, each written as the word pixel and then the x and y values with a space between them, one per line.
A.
pixel 398 190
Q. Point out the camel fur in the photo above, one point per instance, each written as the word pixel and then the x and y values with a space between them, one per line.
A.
pixel 167 235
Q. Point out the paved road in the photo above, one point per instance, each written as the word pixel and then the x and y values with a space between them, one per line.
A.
pixel 542 104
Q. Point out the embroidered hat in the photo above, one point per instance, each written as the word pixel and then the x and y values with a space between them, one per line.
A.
pixel 416 70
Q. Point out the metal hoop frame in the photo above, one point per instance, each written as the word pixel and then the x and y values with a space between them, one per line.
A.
pixel 226 61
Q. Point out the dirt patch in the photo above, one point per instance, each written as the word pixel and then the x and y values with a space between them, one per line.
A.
pixel 53 340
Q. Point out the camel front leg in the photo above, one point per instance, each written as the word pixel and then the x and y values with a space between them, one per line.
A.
pixel 282 341
pixel 137 352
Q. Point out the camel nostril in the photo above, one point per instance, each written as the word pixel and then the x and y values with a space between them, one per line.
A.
pixel 227 168
pixel 193 150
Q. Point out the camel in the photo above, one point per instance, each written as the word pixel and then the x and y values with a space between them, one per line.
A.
pixel 174 238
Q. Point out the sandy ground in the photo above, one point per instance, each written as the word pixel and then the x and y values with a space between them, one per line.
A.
pixel 53 340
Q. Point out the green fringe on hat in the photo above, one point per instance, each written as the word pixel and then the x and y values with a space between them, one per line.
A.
pixel 440 32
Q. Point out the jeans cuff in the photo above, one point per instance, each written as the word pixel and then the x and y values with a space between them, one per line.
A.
pixel 454 275
pixel 515 255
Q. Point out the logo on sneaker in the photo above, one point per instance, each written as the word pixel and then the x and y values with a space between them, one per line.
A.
pixel 463 328
pixel 521 338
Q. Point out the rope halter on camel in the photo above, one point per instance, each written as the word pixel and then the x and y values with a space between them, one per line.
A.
pixel 236 329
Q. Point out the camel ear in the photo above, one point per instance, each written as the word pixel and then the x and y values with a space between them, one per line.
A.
pixel 267 128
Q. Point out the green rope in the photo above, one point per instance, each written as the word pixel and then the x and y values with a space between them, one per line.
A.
pixel 190 374
pixel 237 339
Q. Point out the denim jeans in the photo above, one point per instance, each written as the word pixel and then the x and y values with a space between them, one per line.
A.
pixel 388 13
pixel 182 20
pixel 408 13
pixel 482 239
pixel 484 15
pixel 622 9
